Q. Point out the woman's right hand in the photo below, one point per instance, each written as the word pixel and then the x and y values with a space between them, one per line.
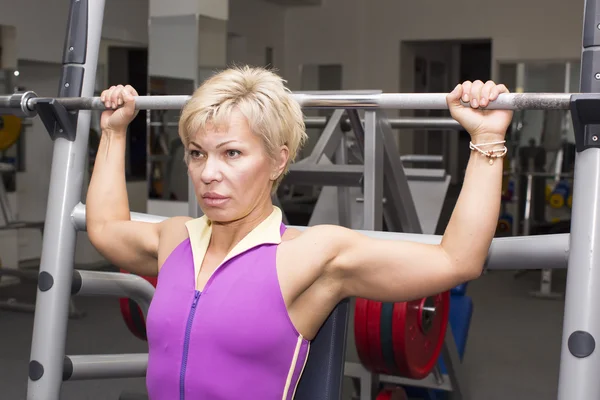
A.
pixel 120 101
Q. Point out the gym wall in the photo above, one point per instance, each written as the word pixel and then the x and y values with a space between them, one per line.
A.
pixel 253 26
pixel 365 36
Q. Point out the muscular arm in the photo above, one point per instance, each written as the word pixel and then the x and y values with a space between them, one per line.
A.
pixel 128 244
pixel 131 245
pixel 391 270
pixel 387 270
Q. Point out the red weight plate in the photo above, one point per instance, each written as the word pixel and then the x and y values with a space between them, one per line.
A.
pixel 374 336
pixel 132 314
pixel 418 334
pixel 126 314
pixel 385 394
pixel 133 317
pixel 360 331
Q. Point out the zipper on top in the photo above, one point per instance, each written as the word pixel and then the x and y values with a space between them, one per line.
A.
pixel 186 344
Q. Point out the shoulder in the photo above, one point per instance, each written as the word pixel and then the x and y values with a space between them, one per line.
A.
pixel 324 241
pixel 308 257
pixel 320 234
pixel 173 231
pixel 174 225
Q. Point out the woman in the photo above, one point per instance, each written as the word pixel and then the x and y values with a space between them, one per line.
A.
pixel 239 297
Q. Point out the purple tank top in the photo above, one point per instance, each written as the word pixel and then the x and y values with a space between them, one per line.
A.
pixel 233 340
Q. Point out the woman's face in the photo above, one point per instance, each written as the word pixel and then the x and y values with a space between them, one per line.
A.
pixel 231 170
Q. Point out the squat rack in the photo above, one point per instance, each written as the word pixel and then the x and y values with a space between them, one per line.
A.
pixel 67 118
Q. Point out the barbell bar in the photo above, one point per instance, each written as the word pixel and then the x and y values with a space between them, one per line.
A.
pixel 396 123
pixel 24 104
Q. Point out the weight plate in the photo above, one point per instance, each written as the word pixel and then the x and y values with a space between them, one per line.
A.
pixel 132 314
pixel 133 317
pixel 360 331
pixel 557 200
pixel 385 394
pixel 10 130
pixel 419 329
pixel 374 335
pixel 387 343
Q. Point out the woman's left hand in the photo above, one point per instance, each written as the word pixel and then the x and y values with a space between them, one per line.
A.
pixel 479 121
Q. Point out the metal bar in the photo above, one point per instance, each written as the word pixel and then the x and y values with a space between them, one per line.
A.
pixel 357 370
pixel 115 284
pixel 395 123
pixel 358 128
pixel 424 123
pixel 408 101
pixel 7 214
pixel 329 139
pixel 325 174
pixel 66 181
pixel 343 196
pixel 527 211
pixel 315 122
pixel 78 217
pixel 579 360
pixel 104 366
pixel 422 158
pixel 506 253
pixel 535 174
pixel 397 189
pixel 373 175
pixel 347 175
pixel 454 367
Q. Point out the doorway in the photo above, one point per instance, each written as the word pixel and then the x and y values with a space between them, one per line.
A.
pixel 436 67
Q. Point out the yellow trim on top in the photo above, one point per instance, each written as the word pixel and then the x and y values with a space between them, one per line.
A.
pixel 200 231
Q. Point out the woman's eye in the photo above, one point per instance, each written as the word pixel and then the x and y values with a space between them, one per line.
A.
pixel 195 153
pixel 233 153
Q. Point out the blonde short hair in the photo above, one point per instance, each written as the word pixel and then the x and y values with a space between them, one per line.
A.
pixel 261 96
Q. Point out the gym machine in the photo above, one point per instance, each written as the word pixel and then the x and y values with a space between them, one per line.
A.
pixel 330 165
pixel 67 119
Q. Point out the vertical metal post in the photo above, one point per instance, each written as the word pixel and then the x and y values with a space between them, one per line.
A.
pixel 580 358
pixel 396 189
pixel 66 179
pixel 373 200
pixel 194 209
pixel 373 175
pixel 341 158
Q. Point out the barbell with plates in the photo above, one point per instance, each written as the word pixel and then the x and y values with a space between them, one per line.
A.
pixel 402 339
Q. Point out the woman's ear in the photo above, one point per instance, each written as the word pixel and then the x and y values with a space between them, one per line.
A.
pixel 281 159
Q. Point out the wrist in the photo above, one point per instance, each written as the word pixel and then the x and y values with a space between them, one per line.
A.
pixel 114 132
pixel 485 138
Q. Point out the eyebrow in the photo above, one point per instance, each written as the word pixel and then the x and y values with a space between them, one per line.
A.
pixel 219 145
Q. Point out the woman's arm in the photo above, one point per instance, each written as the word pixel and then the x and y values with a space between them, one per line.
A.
pixel 389 270
pixel 128 244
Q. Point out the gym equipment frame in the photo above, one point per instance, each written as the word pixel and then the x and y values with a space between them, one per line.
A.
pixel 67 119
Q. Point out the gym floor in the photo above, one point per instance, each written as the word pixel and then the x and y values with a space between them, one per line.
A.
pixel 513 350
